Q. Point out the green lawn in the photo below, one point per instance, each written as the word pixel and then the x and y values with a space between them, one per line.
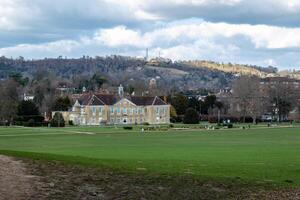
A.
pixel 257 155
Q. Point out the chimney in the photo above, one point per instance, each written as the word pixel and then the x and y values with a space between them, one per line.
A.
pixel 165 99
pixel 121 91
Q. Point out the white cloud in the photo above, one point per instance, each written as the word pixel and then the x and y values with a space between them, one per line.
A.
pixel 51 49
pixel 270 62
pixel 189 39
pixel 199 2
pixel 13 13
pixel 129 26
pixel 119 36
pixel 46 14
pixel 261 36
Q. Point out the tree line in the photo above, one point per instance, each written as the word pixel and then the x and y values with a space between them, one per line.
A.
pixel 249 99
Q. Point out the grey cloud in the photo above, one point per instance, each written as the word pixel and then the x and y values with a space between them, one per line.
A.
pixel 268 12
pixel 40 22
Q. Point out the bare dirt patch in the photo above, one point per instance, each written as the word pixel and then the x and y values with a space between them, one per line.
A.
pixel 15 181
pixel 28 179
pixel 77 182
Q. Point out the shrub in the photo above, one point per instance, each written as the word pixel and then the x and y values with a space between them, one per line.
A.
pixel 57 120
pixel 128 127
pixel 248 119
pixel 204 117
pixel 177 119
pixel 71 123
pixel 4 123
pixel 213 119
pixel 172 120
pixel 31 123
pixel 36 118
pixel 191 116
pixel 146 124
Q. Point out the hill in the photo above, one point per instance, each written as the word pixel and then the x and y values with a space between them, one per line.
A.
pixel 169 75
pixel 233 68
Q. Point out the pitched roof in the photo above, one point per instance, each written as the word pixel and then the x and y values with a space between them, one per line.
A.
pixel 108 99
pixel 158 101
pixel 95 101
pixel 141 101
pixel 84 99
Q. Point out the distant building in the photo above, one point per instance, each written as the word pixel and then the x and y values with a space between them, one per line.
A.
pixel 97 109
pixel 295 115
pixel 159 60
pixel 27 97
pixel 64 88
pixel 273 81
pixel 152 84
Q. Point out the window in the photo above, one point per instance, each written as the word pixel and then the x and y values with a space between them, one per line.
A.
pixel 118 110
pixel 157 110
pixel 125 110
pixel 100 110
pixel 136 111
pixel 112 110
pixel 94 110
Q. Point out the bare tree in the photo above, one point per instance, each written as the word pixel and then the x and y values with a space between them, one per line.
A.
pixel 283 96
pixel 10 95
pixel 248 97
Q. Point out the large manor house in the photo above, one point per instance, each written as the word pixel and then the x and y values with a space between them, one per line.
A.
pixel 101 109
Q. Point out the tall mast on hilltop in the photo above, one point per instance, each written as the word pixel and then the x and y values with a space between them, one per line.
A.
pixel 147 54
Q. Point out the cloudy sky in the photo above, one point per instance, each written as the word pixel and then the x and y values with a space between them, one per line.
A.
pixel 261 32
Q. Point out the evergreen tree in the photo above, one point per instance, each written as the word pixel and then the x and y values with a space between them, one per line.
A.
pixel 62 104
pixel 180 103
pixel 191 116
pixel 27 108
pixel 57 120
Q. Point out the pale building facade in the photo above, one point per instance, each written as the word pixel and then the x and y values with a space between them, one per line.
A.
pixel 100 109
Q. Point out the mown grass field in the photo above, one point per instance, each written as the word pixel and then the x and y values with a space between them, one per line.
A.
pixel 256 155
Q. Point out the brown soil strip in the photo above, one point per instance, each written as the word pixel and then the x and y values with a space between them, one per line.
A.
pixel 15 181
pixel 29 179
